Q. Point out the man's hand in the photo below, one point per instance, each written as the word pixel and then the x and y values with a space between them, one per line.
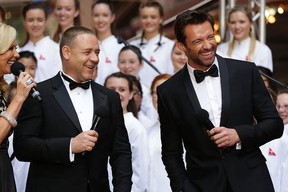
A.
pixel 224 137
pixel 84 141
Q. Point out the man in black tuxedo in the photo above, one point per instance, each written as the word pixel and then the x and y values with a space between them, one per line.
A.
pixel 224 157
pixel 55 134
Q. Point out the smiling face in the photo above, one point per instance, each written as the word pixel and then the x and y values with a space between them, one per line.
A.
pixel 7 58
pixel 81 58
pixel 65 12
pixel 200 45
pixel 129 63
pixel 121 86
pixel 102 18
pixel 150 20
pixel 239 25
pixel 35 24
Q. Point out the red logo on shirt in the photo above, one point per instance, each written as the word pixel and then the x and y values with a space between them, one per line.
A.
pixel 41 57
pixel 271 152
pixel 107 60
pixel 152 59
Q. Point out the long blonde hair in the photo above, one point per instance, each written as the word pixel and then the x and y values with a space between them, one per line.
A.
pixel 248 12
pixel 7 37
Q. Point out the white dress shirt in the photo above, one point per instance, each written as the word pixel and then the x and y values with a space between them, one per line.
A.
pixel 83 104
pixel 209 94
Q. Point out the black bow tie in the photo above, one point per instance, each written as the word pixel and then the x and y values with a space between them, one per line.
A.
pixel 73 84
pixel 200 75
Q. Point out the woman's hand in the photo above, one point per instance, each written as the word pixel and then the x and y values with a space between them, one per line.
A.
pixel 24 84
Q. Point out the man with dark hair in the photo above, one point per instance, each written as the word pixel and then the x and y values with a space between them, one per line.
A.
pixel 220 110
pixel 67 149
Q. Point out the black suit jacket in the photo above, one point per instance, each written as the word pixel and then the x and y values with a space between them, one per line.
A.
pixel 43 137
pixel 244 100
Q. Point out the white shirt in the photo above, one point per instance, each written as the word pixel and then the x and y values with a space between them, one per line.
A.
pixel 160 57
pixel 158 177
pixel 146 105
pixel 140 158
pixel 209 94
pixel 83 104
pixel 108 58
pixel 20 168
pixel 276 154
pixel 48 57
pixel 262 54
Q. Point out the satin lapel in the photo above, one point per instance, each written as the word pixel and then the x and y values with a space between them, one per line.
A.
pixel 63 99
pixel 224 74
pixel 99 99
pixel 190 89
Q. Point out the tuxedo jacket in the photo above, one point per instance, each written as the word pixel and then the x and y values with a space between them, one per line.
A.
pixel 245 101
pixel 44 133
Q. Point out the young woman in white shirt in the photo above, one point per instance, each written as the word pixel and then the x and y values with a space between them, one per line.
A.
pixel 67 13
pixel 155 47
pixel 158 179
pixel 45 49
pixel 130 63
pixel 122 84
pixel 243 45
pixel 275 151
pixel 103 16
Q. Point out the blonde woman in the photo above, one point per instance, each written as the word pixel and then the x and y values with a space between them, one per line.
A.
pixel 244 45
pixel 8 114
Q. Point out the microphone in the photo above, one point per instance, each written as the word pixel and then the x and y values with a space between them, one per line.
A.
pixel 203 117
pixel 100 113
pixel 16 69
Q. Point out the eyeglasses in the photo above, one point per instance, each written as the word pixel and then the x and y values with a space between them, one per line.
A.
pixel 285 107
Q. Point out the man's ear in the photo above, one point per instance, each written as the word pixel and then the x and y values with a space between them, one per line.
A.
pixel 181 46
pixel 66 52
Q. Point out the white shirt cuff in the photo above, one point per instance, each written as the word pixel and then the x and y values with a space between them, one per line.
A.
pixel 71 155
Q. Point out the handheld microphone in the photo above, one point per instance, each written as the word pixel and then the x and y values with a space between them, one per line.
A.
pixel 96 122
pixel 203 117
pixel 100 113
pixel 97 119
pixel 16 69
